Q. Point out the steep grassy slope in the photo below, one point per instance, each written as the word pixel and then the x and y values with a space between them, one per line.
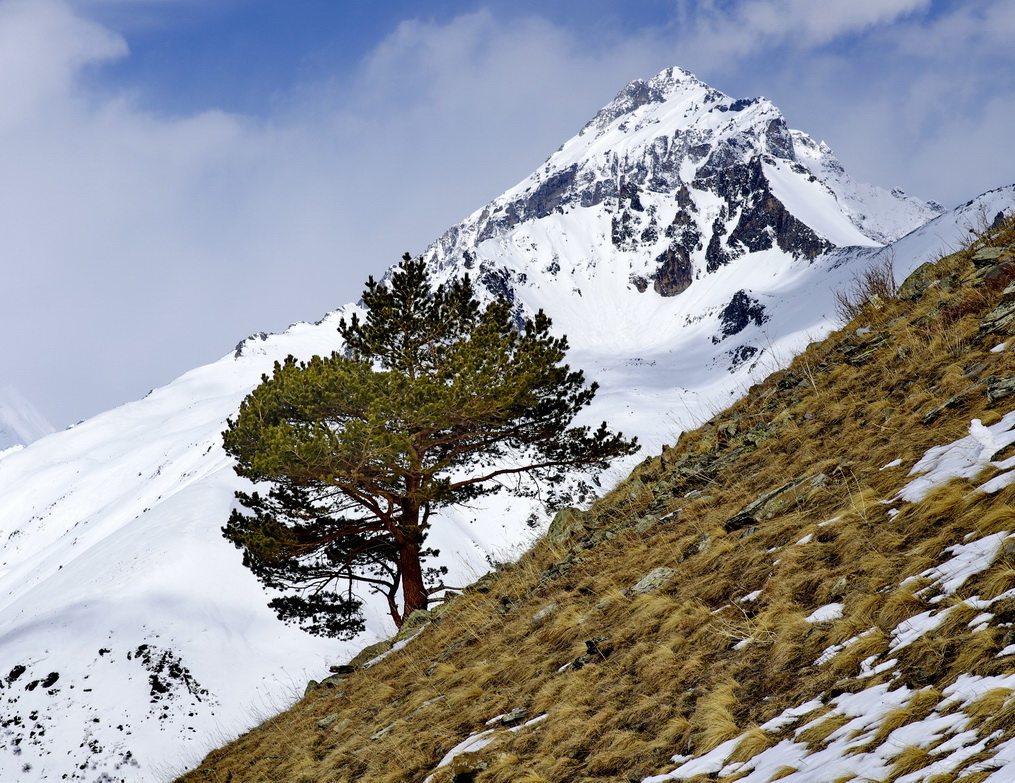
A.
pixel 777 596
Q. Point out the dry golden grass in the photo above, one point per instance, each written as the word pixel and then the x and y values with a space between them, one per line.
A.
pixel 752 742
pixel 814 735
pixel 910 759
pixel 675 677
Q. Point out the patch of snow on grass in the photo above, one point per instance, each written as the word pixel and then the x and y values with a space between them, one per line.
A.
pixel 963 458
pixel 908 631
pixel 966 561
pixel 835 649
pixel 825 614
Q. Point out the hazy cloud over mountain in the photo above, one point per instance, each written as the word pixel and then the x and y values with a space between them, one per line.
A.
pixel 180 174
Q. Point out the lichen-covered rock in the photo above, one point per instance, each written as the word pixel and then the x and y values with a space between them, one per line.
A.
pixel 569 524
pixel 652 581
pixel 645 523
pixel 539 617
pixel 987 256
pixel 369 653
pixel 778 501
pixel 465 766
pixel 999 388
pixel 413 624
pixel 914 286
pixel 1001 319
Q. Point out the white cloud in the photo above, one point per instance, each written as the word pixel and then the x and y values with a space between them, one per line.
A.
pixel 724 30
pixel 138 245
pixel 42 47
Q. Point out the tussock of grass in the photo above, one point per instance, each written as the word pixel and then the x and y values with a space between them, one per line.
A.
pixel 752 742
pixel 910 759
pixel 692 665
pixel 815 734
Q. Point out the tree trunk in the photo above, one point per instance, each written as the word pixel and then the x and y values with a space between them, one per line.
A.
pixel 413 589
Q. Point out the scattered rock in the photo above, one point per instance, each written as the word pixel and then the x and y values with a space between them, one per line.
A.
pixel 914 286
pixel 999 388
pixel 483 584
pixel 465 766
pixel 510 718
pixel 542 614
pixel 777 501
pixel 568 524
pixel 424 705
pixel 323 723
pixel 645 523
pixel 1002 318
pixel 596 650
pixel 651 582
pixel 952 402
pixel 703 542
pixel 369 653
pixel 858 354
pixel 443 608
pixel 558 569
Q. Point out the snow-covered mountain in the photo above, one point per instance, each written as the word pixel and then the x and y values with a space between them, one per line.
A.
pixel 683 240
pixel 20 423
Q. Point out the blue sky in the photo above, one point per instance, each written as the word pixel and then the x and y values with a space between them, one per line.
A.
pixel 178 174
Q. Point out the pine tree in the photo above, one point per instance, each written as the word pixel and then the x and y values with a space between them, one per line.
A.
pixel 435 398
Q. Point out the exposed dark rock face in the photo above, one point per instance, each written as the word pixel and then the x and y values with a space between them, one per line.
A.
pixel 638 93
pixel 764 220
pixel 675 271
pixel 779 140
pixel 741 354
pixel 739 314
pixel 715 254
pixel 498 283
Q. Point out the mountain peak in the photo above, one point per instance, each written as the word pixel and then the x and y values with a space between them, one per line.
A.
pixel 660 88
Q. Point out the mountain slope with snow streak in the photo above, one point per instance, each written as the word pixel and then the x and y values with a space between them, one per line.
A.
pixel 130 633
pixel 20 423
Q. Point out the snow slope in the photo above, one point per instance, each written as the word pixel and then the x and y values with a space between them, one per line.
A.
pixel 132 640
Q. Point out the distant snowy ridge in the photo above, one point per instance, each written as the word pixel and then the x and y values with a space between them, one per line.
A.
pixel 20 422
pixel 683 241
